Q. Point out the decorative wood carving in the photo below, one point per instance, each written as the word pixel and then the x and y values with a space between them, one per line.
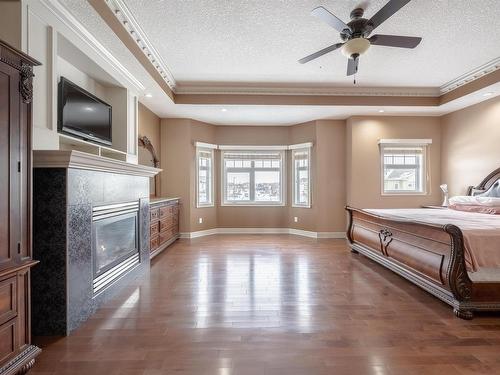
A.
pixel 458 279
pixel 385 237
pixel 15 138
pixel 26 83
pixel 146 143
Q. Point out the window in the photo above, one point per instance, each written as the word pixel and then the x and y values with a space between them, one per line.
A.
pixel 404 166
pixel 301 161
pixel 252 177
pixel 204 178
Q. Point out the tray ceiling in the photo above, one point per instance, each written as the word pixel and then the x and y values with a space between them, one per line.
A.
pixel 215 44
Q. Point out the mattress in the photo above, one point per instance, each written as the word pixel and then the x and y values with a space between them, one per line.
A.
pixel 481 232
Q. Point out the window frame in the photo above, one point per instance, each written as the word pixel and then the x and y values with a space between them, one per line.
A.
pixel 251 170
pixel 424 167
pixel 211 203
pixel 295 150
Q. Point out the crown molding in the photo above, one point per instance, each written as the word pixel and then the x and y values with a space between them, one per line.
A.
pixel 470 76
pixel 66 17
pixel 204 89
pixel 128 21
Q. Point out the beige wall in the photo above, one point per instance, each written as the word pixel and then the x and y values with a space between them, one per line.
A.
pixel 176 164
pixel 345 164
pixel 250 217
pixel 471 145
pixel 200 132
pixel 149 126
pixel 363 159
pixel 178 137
pixel 10 22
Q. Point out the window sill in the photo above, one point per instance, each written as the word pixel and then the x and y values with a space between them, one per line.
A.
pixel 205 206
pixel 301 206
pixel 403 194
pixel 252 205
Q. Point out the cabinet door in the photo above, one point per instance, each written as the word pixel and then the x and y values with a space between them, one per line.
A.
pixel 10 178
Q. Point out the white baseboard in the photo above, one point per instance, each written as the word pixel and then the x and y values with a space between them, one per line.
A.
pixel 297 232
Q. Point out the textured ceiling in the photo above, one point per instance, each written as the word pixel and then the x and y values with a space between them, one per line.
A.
pixel 261 40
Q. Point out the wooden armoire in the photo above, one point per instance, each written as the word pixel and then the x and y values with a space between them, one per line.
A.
pixel 17 355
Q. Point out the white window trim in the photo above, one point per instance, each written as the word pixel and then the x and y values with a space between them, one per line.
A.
pixel 425 173
pixel 225 203
pixel 201 147
pixel 297 148
pixel 252 148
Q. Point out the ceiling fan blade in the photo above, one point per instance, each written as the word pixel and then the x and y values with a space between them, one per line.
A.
pixel 330 19
pixel 395 41
pixel 352 66
pixel 387 10
pixel 320 53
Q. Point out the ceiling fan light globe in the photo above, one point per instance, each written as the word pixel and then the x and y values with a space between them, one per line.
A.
pixel 355 46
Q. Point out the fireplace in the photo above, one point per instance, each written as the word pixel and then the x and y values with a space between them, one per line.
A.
pixel 115 242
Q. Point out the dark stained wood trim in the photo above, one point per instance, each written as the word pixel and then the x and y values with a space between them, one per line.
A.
pixel 416 240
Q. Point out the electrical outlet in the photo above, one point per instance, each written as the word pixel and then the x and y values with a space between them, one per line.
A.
pixel 296 219
pixel 200 220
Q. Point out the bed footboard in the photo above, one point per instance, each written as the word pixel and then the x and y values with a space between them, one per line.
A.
pixel 430 256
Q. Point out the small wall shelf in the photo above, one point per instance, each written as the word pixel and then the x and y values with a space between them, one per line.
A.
pixel 68 143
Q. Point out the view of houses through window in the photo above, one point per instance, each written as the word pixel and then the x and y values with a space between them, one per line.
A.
pixel 403 169
pixel 253 177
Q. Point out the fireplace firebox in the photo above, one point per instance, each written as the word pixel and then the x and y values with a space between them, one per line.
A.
pixel 115 242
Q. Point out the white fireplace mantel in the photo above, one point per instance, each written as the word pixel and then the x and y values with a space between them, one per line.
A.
pixel 83 160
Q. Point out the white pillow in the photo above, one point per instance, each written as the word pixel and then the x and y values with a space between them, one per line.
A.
pixel 475 201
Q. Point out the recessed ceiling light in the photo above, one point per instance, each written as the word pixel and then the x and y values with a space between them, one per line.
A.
pixel 487 94
pixel 224 110
pixel 148 95
pixel 381 111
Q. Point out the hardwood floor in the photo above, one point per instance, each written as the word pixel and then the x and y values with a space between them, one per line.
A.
pixel 273 304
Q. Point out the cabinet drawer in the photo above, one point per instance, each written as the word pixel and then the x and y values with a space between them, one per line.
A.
pixel 8 299
pixel 166 223
pixel 154 243
pixel 166 235
pixel 154 214
pixel 166 211
pixel 8 343
pixel 155 228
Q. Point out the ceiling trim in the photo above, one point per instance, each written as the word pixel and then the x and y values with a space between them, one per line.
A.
pixel 470 76
pixel 205 89
pixel 67 18
pixel 129 40
pixel 125 16
pixel 316 100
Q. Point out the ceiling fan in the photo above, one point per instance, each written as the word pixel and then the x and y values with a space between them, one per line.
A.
pixel 356 34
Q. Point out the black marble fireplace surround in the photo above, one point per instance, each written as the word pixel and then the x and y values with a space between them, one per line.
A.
pixel 62 284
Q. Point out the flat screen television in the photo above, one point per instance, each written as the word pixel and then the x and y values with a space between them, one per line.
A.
pixel 82 114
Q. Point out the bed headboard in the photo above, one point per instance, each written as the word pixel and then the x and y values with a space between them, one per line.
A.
pixel 489 187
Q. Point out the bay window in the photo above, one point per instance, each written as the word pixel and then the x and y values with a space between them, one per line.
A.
pixel 253 177
pixel 301 164
pixel 204 176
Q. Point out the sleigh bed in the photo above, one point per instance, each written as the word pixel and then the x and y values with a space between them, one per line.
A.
pixel 453 255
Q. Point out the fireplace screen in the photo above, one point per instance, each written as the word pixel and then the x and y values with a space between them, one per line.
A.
pixel 115 236
pixel 115 240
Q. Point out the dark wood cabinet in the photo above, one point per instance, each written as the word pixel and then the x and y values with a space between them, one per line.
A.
pixel 16 72
pixel 164 224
